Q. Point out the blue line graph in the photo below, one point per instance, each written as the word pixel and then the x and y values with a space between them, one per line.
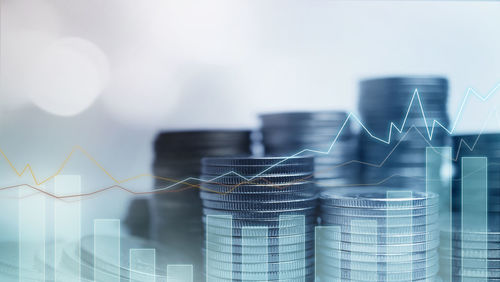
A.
pixel 352 116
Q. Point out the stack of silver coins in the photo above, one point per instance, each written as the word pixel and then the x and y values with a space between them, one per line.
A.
pixel 176 205
pixel 389 105
pixel 377 234
pixel 259 216
pixel 288 133
pixel 471 255
pixel 471 252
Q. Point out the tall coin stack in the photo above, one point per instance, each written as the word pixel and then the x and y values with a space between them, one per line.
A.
pixel 259 216
pixel 474 250
pixel 285 134
pixel 176 216
pixel 387 100
pixel 377 234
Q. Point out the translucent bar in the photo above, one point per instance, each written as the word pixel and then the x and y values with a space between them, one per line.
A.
pixel 142 265
pixel 107 249
pixel 404 218
pixel 67 222
pixel 298 229
pixel 475 206
pixel 439 181
pixel 250 267
pixel 328 263
pixel 218 227
pixel 180 273
pixel 32 212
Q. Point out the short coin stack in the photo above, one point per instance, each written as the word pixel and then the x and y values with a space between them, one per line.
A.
pixel 288 133
pixel 176 216
pixel 274 199
pixel 387 100
pixel 376 234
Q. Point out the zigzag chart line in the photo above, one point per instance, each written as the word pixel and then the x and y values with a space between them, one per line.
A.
pixel 189 186
pixel 392 126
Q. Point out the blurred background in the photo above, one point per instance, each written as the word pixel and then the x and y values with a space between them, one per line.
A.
pixel 105 76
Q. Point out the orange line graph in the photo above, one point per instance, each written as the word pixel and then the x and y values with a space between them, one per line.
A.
pixel 118 183
pixel 187 185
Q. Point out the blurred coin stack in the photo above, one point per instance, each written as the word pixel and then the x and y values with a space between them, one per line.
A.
pixel 387 100
pixel 285 134
pixel 176 216
pixel 482 145
pixel 138 218
pixel 375 234
pixel 279 196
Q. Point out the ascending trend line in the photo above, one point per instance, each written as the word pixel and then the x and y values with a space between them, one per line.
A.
pixel 416 95
pixel 351 116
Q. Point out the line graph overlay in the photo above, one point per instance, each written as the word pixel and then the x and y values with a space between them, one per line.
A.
pixel 430 129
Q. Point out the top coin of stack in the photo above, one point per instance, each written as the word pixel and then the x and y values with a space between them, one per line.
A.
pixel 288 133
pixel 387 100
pixel 177 215
pixel 376 234
pixel 274 200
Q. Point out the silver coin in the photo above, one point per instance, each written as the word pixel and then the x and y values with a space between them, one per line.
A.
pixel 267 197
pixel 381 212
pixel 382 276
pixel 256 258
pixel 335 236
pixel 361 197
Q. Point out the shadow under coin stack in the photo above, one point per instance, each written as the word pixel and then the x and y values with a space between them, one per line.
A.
pixel 382 101
pixel 259 229
pixel 285 134
pixel 473 254
pixel 384 235
pixel 176 216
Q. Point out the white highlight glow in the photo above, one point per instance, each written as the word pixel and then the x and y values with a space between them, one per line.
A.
pixel 27 27
pixel 67 76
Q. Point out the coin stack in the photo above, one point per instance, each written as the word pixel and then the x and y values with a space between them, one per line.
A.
pixel 375 234
pixel 474 255
pixel 176 216
pixel 285 134
pixel 272 193
pixel 138 218
pixel 386 101
pixel 475 250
